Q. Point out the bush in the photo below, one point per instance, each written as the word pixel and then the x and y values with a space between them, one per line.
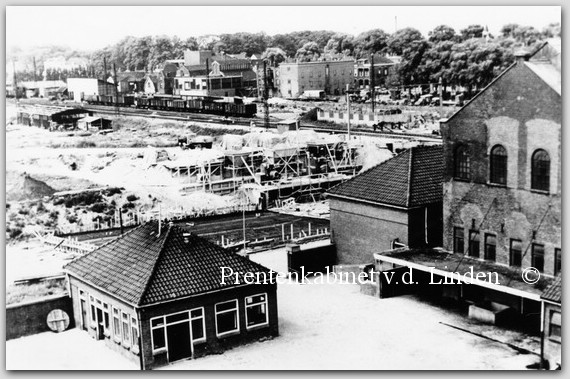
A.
pixel 72 219
pixel 111 191
pixel 131 198
pixel 128 206
pixel 23 211
pixel 99 207
pixel 85 143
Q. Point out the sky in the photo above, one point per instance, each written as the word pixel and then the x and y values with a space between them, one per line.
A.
pixel 93 27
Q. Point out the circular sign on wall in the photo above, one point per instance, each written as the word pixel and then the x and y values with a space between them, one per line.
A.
pixel 58 320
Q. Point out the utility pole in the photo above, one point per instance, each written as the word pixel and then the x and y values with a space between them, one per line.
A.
pixel 104 68
pixel 348 108
pixel 440 93
pixel 372 84
pixel 208 76
pixel 116 79
pixel 35 69
pixel 265 95
pixel 15 81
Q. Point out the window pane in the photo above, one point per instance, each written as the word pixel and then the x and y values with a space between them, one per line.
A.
pixel 474 244
pixel 462 163
pixel 498 165
pixel 540 175
pixel 490 247
pixel 125 331
pixel 196 313
pixel 557 261
pixel 226 322
pixel 256 314
pixel 177 317
pixel 255 299
pixel 458 243
pixel 538 257
pixel 107 322
pixel 158 340
pixel 157 321
pixel 197 329
pixel 226 306
pixel 516 253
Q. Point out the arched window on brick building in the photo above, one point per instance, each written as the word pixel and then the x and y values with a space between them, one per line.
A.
pixel 498 162
pixel 540 171
pixel 462 163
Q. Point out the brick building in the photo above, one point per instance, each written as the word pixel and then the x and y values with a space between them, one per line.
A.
pixel 157 296
pixel 502 190
pixel 551 344
pixel 204 73
pixel 292 79
pixel 383 66
pixel 396 203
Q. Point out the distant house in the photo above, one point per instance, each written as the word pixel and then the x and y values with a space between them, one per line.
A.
pixel 551 346
pixel 40 88
pixel 131 81
pixel 80 88
pixel 383 66
pixel 394 204
pixel 92 122
pixel 156 295
pixel 151 84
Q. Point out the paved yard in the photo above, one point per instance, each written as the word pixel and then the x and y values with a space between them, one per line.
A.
pixel 322 326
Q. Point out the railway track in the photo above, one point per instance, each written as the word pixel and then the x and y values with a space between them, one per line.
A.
pixel 213 119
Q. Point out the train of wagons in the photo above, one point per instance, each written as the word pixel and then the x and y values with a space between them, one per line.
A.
pixel 209 105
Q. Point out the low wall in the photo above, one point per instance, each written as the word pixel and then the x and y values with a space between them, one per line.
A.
pixel 24 319
pixel 361 118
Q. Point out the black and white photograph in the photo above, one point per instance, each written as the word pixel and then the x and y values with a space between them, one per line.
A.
pixel 256 187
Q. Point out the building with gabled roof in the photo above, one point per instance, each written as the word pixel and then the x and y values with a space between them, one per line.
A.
pixel 158 295
pixel 502 193
pixel 396 203
pixel 551 346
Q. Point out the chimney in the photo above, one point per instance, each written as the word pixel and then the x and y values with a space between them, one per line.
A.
pixel 522 55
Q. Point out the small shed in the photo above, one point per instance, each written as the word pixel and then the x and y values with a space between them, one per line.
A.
pixel 94 122
pixel 287 125
pixel 49 117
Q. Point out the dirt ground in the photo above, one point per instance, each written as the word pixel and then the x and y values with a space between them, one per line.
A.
pixel 322 327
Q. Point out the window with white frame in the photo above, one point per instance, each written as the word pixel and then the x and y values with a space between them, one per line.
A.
pixel 256 310
pixel 116 324
pixel 198 325
pixel 227 317
pixel 157 327
pixel 93 311
pixel 126 330
pixel 134 334
pixel 107 319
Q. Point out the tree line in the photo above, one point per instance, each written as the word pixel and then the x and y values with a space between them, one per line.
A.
pixel 461 57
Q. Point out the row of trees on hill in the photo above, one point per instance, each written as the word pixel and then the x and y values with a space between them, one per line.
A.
pixel 462 57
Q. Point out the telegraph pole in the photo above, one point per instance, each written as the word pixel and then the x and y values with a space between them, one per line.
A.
pixel 116 89
pixel 265 95
pixel 440 93
pixel 35 69
pixel 348 108
pixel 372 84
pixel 208 76
pixel 15 82
pixel 105 68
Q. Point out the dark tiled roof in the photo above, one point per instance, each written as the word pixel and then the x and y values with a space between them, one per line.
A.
pixel 142 268
pixel 554 291
pixel 412 178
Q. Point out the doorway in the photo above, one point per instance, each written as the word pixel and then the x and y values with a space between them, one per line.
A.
pixel 83 305
pixel 179 341
pixel 100 325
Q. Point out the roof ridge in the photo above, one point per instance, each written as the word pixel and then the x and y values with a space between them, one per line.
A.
pixel 105 244
pixel 369 169
pixel 155 265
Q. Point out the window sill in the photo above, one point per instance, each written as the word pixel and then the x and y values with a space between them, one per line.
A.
pixel 461 180
pixel 117 340
pixel 540 192
pixel 135 350
pixel 258 326
pixel 498 185
pixel 228 334
pixel 555 339
pixel 159 351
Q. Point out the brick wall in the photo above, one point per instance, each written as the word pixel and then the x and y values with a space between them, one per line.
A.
pixel 29 318
pixel 213 344
pixel 522 113
pixel 360 230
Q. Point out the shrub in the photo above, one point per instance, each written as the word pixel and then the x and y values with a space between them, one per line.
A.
pixel 72 219
pixel 111 191
pixel 23 211
pixel 131 198
pixel 99 207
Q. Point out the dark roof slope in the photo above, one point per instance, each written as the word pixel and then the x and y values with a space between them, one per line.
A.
pixel 143 268
pixel 554 291
pixel 410 179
